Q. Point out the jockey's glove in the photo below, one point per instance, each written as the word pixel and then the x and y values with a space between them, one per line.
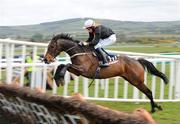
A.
pixel 80 43
pixel 83 43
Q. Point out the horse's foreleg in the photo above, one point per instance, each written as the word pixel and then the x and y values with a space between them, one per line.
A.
pixel 59 74
pixel 61 70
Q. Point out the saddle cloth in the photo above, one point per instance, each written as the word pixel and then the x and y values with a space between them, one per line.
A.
pixel 111 57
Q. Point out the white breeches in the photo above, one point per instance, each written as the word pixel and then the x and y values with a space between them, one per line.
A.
pixel 105 42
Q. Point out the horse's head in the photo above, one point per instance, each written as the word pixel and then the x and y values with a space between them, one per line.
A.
pixel 58 43
pixel 54 48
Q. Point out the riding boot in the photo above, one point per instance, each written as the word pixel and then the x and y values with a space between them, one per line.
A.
pixel 102 55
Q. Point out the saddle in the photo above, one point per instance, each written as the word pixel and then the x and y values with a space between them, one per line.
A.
pixel 109 56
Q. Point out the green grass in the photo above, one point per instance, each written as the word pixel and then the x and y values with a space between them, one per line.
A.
pixel 169 115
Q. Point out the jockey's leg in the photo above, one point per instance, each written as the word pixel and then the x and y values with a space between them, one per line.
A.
pixel 106 42
pixel 103 43
pixel 103 55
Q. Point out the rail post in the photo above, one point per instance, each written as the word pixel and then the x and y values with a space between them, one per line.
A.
pixel 177 79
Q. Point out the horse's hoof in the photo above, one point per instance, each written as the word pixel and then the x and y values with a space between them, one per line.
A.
pixel 159 107
pixel 62 82
pixel 153 110
pixel 59 81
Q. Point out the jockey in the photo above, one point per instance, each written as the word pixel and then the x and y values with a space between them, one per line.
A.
pixel 99 37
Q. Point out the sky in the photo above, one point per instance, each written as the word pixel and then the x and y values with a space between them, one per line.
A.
pixel 25 12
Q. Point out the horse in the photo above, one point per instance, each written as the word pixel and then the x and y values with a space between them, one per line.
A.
pixel 85 63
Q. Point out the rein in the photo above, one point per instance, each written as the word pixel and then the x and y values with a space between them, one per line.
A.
pixel 78 54
pixel 71 48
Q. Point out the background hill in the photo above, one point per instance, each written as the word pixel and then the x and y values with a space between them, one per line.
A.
pixel 125 30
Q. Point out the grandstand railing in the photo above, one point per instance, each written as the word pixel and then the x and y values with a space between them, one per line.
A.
pixel 114 89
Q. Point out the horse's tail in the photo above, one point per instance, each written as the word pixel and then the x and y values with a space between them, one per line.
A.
pixel 152 69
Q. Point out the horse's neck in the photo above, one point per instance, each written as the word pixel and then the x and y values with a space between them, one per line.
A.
pixel 80 54
pixel 83 57
pixel 89 49
pixel 73 49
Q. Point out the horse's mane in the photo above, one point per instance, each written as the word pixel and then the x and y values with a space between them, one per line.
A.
pixel 65 36
pixel 69 37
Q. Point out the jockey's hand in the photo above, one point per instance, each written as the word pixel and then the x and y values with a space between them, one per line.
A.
pixel 83 43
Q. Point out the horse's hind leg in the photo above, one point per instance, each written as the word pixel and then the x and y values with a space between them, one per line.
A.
pixel 143 88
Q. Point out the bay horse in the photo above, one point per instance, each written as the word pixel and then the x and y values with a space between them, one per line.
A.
pixel 85 63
